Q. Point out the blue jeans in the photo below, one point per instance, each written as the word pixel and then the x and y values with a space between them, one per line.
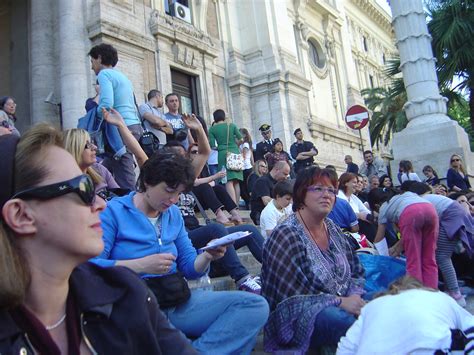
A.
pixel 330 325
pixel 224 322
pixel 230 262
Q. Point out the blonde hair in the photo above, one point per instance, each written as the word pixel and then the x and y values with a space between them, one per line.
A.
pixel 75 140
pixel 29 171
pixel 461 168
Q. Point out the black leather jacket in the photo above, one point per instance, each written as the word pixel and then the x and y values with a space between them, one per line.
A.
pixel 119 315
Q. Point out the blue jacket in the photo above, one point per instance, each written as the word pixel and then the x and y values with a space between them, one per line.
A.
pixel 129 234
pixel 103 134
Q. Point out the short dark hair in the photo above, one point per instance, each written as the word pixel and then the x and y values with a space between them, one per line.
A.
pixel 108 54
pixel 171 94
pixel 417 187
pixel 153 93
pixel 173 169
pixel 383 177
pixel 168 147
pixel 296 131
pixel 283 188
pixel 308 177
pixel 368 152
pixel 380 195
pixel 219 115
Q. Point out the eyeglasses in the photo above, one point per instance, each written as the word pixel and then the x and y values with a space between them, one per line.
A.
pixel 82 185
pixel 453 160
pixel 320 190
pixel 90 145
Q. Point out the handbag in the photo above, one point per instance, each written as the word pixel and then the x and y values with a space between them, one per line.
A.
pixel 170 290
pixel 148 141
pixel 233 161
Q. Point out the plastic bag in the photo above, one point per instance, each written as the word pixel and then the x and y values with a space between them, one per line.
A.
pixel 381 271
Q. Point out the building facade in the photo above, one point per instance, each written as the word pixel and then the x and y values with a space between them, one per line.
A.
pixel 289 63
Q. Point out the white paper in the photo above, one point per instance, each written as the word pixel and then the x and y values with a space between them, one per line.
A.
pixel 382 247
pixel 226 239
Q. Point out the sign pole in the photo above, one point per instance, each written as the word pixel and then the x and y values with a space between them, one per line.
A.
pixel 361 141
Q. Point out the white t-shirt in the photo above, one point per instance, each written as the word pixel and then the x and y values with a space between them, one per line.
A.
pixel 410 176
pixel 247 160
pixel 412 322
pixel 356 204
pixel 212 160
pixel 271 216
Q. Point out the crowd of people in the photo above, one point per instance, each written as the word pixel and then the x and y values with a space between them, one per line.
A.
pixel 99 259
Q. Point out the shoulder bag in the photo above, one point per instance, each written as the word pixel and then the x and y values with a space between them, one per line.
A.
pixel 234 162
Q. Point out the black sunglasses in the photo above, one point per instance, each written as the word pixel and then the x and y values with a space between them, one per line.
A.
pixel 82 185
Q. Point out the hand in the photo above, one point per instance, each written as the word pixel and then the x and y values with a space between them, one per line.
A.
pixel 216 253
pixel 113 117
pixel 394 251
pixel 352 304
pixel 156 263
pixel 221 174
pixel 191 121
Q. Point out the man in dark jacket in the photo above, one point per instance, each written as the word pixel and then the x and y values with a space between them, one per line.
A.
pixel 302 151
pixel 266 145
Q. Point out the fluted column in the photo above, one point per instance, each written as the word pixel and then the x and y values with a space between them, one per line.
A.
pixel 44 63
pixel 417 63
pixel 73 66
pixel 430 137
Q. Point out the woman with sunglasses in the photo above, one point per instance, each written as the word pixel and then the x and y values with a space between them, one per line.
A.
pixel 78 142
pixel 457 178
pixel 311 277
pixel 50 302
pixel 145 232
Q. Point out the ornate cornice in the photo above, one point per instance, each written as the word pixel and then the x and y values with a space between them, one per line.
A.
pixel 162 25
pixel 375 12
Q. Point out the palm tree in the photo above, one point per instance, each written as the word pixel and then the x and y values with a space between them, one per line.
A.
pixel 451 25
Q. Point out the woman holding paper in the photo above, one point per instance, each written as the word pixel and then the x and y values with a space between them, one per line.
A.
pixel 145 232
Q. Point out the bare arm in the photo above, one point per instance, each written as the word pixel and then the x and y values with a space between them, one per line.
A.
pixel 266 200
pixel 115 118
pixel 380 233
pixel 209 179
pixel 355 229
pixel 204 149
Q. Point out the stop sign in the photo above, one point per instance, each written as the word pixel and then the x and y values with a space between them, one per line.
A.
pixel 357 117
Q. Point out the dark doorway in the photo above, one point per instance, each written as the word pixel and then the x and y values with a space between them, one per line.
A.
pixel 185 86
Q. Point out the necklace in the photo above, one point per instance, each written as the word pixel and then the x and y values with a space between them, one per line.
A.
pixel 57 324
pixel 311 234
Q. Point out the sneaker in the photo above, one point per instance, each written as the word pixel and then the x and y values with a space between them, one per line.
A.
pixel 258 280
pixel 250 285
pixel 459 298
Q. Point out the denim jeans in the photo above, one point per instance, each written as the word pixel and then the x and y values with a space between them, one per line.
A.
pixel 123 169
pixel 330 325
pixel 222 322
pixel 230 262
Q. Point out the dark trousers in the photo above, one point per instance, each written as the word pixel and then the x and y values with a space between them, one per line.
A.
pixel 214 197
pixel 123 169
pixel 244 191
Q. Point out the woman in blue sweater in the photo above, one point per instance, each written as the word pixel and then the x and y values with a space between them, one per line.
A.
pixel 145 232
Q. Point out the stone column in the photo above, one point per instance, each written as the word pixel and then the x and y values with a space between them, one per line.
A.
pixel 430 136
pixel 43 62
pixel 74 70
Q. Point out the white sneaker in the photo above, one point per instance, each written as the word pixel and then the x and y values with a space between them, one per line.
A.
pixel 250 285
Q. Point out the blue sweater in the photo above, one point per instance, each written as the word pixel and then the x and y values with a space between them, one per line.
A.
pixel 116 91
pixel 129 234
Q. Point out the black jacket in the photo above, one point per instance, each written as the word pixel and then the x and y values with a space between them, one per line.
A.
pixel 119 315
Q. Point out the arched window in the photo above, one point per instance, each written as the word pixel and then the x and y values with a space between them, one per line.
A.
pixel 316 54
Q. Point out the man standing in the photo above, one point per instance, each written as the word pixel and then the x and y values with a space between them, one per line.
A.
pixel 180 132
pixel 351 167
pixel 153 117
pixel 262 192
pixel 302 151
pixel 116 92
pixel 266 145
pixel 372 166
